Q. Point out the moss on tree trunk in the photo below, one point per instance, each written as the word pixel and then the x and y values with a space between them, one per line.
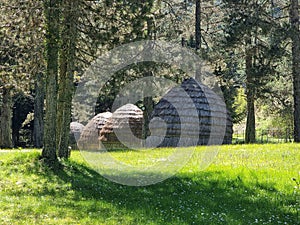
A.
pixel 67 68
pixel 52 46
pixel 5 119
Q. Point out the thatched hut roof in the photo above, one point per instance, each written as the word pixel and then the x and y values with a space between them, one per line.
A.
pixel 123 128
pixel 189 115
pixel 90 133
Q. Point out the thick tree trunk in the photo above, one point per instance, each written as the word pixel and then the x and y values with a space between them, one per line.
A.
pixel 52 39
pixel 67 68
pixel 6 119
pixel 64 107
pixel 38 129
pixel 250 92
pixel 61 96
pixel 294 17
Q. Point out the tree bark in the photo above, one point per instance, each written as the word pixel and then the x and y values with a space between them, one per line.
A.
pixel 250 95
pixel 250 125
pixel 198 36
pixel 294 18
pixel 148 105
pixel 67 68
pixel 52 46
pixel 6 119
pixel 198 24
pixel 38 129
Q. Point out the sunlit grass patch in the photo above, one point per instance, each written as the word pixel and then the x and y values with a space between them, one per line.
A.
pixel 244 184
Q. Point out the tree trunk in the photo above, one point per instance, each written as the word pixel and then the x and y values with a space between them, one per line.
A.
pixel 15 136
pixel 250 125
pixel 61 97
pixel 52 39
pixel 38 128
pixel 6 119
pixel 64 107
pixel 148 103
pixel 198 36
pixel 250 93
pixel 198 24
pixel 67 68
pixel 294 17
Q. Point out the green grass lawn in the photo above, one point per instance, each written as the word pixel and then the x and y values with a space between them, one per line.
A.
pixel 245 184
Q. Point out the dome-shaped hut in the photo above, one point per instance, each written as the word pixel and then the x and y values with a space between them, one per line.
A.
pixel 75 132
pixel 189 115
pixel 90 133
pixel 124 129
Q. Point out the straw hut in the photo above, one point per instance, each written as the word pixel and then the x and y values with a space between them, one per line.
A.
pixel 75 131
pixel 124 129
pixel 189 115
pixel 90 133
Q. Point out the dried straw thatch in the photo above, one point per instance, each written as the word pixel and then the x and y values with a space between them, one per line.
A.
pixel 124 128
pixel 189 115
pixel 75 132
pixel 90 133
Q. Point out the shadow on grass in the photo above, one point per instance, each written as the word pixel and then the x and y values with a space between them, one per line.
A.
pixel 201 198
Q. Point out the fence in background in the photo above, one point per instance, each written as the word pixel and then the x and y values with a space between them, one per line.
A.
pixel 272 135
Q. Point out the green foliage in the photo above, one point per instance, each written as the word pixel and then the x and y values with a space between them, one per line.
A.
pixel 240 106
pixel 103 25
pixel 276 107
pixel 108 24
pixel 130 73
pixel 261 181
pixel 267 36
pixel 21 53
pixel 21 40
pixel 230 81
